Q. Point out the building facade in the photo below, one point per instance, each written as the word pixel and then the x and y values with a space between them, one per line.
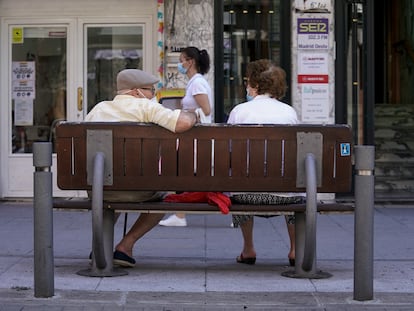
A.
pixel 347 62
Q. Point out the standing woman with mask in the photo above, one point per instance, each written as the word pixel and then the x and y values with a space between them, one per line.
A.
pixel 194 63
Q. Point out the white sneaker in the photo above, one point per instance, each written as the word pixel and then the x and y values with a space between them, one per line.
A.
pixel 173 221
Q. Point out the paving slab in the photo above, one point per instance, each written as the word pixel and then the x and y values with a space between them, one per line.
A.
pixel 194 268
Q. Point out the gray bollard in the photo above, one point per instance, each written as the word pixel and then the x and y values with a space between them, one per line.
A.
pixel 364 223
pixel 43 221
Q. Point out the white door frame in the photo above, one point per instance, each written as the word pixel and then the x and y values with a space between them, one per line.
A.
pixel 16 170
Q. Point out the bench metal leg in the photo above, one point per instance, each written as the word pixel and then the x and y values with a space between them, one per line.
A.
pixel 299 272
pixel 102 228
pixel 305 229
pixel 108 244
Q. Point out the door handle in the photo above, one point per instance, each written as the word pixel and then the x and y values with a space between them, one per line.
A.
pixel 80 99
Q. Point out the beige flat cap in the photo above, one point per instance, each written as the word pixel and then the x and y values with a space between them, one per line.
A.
pixel 129 79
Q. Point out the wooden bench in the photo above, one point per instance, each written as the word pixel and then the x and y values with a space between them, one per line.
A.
pixel 219 158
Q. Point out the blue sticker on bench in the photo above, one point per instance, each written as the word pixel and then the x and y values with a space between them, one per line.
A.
pixel 345 149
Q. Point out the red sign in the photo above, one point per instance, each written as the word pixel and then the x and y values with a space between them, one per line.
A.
pixel 313 78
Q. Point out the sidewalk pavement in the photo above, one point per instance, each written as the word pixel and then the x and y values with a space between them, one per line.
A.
pixel 194 268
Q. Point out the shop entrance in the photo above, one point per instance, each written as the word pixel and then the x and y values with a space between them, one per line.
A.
pixel 374 78
pixel 394 104
pixel 59 71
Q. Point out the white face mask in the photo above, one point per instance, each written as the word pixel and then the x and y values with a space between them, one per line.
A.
pixel 140 93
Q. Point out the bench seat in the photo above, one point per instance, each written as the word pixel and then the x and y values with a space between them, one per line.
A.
pixel 204 208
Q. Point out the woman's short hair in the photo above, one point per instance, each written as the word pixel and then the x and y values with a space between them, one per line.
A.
pixel 267 77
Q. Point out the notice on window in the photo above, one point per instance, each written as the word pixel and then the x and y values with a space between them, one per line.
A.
pixel 23 112
pixel 23 89
pixel 23 70
pixel 23 80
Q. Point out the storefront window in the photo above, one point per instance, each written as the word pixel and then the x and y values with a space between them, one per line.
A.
pixel 38 82
pixel 251 32
pixel 110 49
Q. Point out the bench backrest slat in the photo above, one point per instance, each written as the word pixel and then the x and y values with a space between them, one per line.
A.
pixel 206 158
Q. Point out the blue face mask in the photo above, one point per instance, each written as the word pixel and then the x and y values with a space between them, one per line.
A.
pixel 248 96
pixel 181 68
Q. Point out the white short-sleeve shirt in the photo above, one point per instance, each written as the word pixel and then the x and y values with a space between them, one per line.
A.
pixel 263 110
pixel 197 85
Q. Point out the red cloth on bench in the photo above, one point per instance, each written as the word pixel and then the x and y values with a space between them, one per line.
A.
pixel 213 198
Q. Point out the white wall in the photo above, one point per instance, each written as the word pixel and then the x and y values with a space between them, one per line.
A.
pixel 60 8
pixel 194 26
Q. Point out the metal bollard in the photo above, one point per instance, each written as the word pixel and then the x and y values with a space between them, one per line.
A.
pixel 364 222
pixel 43 221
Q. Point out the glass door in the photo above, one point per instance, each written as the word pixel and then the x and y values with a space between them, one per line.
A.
pixel 38 84
pixel 59 71
pixel 108 50
pixel 36 80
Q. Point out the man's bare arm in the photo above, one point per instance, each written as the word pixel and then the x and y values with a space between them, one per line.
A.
pixel 186 120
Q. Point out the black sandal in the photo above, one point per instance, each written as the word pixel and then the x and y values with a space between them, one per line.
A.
pixel 123 260
pixel 246 260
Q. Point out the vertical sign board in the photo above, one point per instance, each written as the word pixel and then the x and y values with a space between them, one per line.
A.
pixel 313 68
pixel 313 56
pixel 313 59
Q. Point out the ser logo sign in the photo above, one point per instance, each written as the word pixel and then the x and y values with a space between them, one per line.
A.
pixel 313 33
pixel 313 26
